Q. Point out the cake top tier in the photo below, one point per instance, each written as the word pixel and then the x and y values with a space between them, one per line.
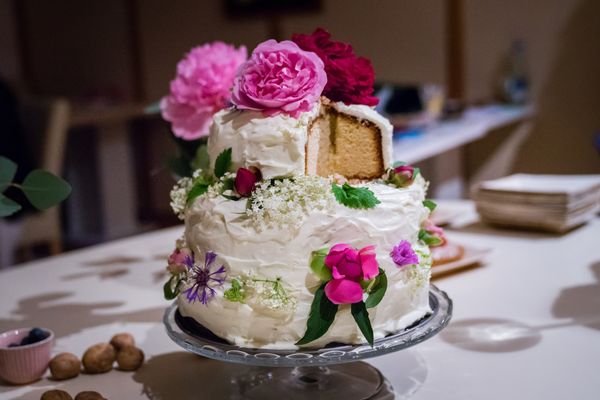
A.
pixel 278 145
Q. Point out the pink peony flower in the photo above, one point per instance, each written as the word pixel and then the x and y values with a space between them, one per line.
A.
pixel 348 267
pixel 279 77
pixel 180 260
pixel 403 254
pixel 245 181
pixel 350 78
pixel 202 86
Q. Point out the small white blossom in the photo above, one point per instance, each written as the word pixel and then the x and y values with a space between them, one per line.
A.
pixel 179 195
pixel 286 202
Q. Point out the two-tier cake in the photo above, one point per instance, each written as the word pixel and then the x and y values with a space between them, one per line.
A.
pixel 302 231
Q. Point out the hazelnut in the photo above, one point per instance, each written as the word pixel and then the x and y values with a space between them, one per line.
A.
pixel 89 395
pixel 99 358
pixel 121 340
pixel 56 395
pixel 130 358
pixel 65 366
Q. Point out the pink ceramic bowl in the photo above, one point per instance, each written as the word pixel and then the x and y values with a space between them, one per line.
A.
pixel 24 364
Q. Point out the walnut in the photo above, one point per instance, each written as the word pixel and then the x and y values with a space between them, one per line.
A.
pixel 99 358
pixel 130 358
pixel 65 366
pixel 121 340
pixel 89 395
pixel 56 395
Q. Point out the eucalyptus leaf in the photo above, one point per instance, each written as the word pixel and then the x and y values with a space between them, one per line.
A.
pixel 317 264
pixel 44 189
pixel 361 316
pixel 8 206
pixel 223 163
pixel 322 314
pixel 377 290
pixel 8 169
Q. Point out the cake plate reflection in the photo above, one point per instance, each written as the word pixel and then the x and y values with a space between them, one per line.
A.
pixel 332 372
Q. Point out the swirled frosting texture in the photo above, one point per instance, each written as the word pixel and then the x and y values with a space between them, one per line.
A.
pixel 219 225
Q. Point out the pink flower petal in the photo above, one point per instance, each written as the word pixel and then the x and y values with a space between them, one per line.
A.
pixel 343 291
pixel 370 267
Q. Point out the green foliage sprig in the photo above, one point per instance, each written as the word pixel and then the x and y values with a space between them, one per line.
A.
pixel 42 188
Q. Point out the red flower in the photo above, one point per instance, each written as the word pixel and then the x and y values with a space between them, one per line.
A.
pixel 349 78
pixel 245 181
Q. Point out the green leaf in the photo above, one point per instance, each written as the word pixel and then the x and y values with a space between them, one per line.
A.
pixel 416 172
pixel 8 206
pixel 223 163
pixel 429 204
pixel 361 316
pixel 236 293
pixel 317 264
pixel 8 169
pixel 322 314
pixel 44 189
pixel 201 160
pixel 197 190
pixel 429 239
pixel 377 290
pixel 354 197
pixel 169 291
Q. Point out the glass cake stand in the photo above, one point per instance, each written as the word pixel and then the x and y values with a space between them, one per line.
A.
pixel 332 372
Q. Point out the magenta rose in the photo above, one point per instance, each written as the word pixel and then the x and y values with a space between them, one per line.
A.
pixel 350 78
pixel 349 267
pixel 245 181
pixel 180 260
pixel 403 254
pixel 278 78
pixel 202 86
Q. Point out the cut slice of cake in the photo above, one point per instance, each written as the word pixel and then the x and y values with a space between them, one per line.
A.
pixel 348 140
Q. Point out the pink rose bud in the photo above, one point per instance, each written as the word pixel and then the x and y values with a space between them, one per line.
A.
pixel 180 260
pixel 434 232
pixel 245 181
pixel 403 175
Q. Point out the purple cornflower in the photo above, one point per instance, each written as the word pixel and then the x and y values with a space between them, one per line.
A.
pixel 403 254
pixel 204 280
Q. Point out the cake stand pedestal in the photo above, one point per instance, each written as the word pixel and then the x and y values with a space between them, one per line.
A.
pixel 332 372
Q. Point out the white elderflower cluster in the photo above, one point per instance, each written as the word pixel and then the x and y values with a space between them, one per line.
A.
pixel 215 189
pixel 285 203
pixel 270 294
pixel 179 195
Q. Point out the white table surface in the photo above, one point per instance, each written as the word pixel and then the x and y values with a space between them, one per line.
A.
pixel 526 324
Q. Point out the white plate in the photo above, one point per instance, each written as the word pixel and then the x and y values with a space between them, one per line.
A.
pixel 472 256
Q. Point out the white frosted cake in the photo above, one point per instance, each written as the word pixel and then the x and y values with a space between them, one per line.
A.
pixel 300 230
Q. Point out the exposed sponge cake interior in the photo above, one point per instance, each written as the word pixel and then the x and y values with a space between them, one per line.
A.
pixel 345 145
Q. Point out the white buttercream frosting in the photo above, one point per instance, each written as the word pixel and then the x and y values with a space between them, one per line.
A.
pixel 273 144
pixel 220 225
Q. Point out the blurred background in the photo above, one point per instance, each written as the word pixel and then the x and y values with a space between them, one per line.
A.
pixel 476 88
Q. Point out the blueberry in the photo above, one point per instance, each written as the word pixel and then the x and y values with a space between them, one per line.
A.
pixel 26 340
pixel 37 335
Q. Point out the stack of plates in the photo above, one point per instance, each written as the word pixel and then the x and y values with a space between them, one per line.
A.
pixel 553 203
